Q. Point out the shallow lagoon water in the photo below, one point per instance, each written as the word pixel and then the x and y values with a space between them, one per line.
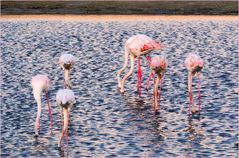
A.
pixel 104 122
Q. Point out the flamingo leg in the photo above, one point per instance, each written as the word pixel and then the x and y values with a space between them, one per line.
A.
pixel 132 57
pixel 139 76
pixel 148 80
pixel 151 74
pixel 148 59
pixel 190 77
pixel 49 110
pixel 37 123
pixel 190 92
pixel 199 94
pixel 160 91
pixel 154 94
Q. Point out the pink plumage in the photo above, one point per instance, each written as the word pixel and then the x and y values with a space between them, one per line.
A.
pixel 64 96
pixel 66 59
pixel 141 43
pixel 40 82
pixel 193 63
pixel 158 64
pixel 66 62
pixel 136 46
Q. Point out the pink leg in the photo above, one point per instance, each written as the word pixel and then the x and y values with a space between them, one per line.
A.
pixel 148 80
pixel 49 109
pixel 148 59
pixel 191 97
pixel 190 92
pixel 139 76
pixel 159 93
pixel 155 96
pixel 199 94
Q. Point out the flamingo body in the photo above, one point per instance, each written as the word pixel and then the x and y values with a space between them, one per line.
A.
pixel 141 45
pixel 136 46
pixel 40 83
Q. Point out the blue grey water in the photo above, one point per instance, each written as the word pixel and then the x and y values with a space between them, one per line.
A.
pixel 104 122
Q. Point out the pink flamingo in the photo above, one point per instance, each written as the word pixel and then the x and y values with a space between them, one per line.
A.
pixel 136 46
pixel 66 62
pixel 65 99
pixel 40 83
pixel 158 66
pixel 194 64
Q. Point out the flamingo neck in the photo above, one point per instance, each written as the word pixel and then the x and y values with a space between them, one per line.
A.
pixel 65 126
pixel 65 115
pixel 67 77
pixel 37 96
pixel 156 94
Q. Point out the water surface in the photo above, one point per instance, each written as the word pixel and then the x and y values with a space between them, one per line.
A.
pixel 104 122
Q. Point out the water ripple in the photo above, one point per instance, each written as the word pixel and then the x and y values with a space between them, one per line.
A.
pixel 104 122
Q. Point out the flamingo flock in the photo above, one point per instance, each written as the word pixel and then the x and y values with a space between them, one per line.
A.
pixel 65 98
pixel 136 47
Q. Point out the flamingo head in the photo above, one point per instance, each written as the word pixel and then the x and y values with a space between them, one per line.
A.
pixel 194 64
pixel 67 61
pixel 159 65
pixel 65 98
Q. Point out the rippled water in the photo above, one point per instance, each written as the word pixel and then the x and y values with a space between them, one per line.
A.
pixel 104 122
